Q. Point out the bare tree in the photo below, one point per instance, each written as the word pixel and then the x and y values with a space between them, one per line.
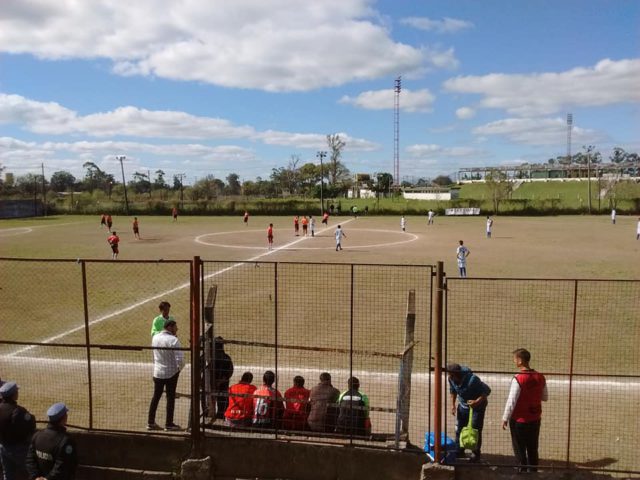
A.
pixel 499 187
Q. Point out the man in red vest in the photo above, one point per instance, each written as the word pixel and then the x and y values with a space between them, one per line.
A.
pixel 524 409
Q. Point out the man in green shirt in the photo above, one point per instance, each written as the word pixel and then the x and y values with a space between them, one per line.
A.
pixel 158 322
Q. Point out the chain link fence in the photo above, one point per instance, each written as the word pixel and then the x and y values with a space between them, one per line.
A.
pixel 583 337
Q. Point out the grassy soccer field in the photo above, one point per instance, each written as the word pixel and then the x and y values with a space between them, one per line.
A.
pixel 43 302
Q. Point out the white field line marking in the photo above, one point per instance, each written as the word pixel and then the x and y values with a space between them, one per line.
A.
pixel 25 230
pixel 159 295
pixel 493 379
pixel 199 240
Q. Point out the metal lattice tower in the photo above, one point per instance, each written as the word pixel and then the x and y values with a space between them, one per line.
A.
pixel 569 128
pixel 396 132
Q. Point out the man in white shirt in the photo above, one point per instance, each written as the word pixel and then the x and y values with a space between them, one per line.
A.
pixel 613 216
pixel 431 214
pixel 312 225
pixel 638 230
pixel 523 410
pixel 462 253
pixel 403 223
pixel 168 360
pixel 339 234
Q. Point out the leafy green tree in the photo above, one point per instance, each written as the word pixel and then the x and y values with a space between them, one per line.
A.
pixel 159 182
pixel 28 184
pixel 233 184
pixel 96 178
pixel 207 188
pixel 443 180
pixel 62 181
pixel 618 155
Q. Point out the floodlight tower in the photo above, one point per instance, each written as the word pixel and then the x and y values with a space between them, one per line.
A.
pixel 396 132
pixel 569 128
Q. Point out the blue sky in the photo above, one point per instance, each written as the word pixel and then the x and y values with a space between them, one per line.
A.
pixel 202 86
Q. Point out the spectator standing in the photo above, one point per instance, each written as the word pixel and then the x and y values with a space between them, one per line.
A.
pixel 323 411
pixel 158 323
pixel 168 360
pixel 114 240
pixel 297 406
pixel 222 372
pixel 467 390
pixel 240 410
pixel 523 410
pixel 17 426
pixel 267 403
pixel 354 410
pixel 52 453
pixel 462 253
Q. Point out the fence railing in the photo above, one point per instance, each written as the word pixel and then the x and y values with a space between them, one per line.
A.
pixel 79 331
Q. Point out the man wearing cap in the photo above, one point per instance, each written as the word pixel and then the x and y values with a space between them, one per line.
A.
pixel 52 454
pixel 17 426
pixel 168 360
pixel 467 391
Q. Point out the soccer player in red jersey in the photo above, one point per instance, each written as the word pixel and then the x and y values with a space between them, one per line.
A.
pixel 325 219
pixel 297 406
pixel 305 226
pixel 109 222
pixel 103 220
pixel 246 218
pixel 174 213
pixel 296 225
pixel 114 240
pixel 270 236
pixel 136 228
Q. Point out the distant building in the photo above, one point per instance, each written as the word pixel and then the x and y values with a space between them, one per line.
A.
pixel 431 193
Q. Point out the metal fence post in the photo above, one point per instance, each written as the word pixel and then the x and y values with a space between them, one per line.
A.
pixel 573 341
pixel 87 340
pixel 275 326
pixel 406 369
pixel 437 381
pixel 196 427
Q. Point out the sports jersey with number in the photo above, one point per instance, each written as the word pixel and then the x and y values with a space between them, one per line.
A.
pixel 461 254
pixel 267 406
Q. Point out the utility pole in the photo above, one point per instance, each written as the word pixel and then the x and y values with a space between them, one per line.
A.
pixel 589 177
pixel 321 155
pixel 44 192
pixel 121 158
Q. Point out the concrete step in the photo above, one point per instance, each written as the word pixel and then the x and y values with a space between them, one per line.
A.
pixel 89 472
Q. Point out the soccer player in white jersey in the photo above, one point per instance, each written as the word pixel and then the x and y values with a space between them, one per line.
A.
pixel 613 216
pixel 339 234
pixel 462 253
pixel 403 223
pixel 489 225
pixel 430 215
pixel 638 230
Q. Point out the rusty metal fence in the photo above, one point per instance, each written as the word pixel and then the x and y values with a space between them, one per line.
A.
pixel 371 322
pixel 583 335
pixel 79 331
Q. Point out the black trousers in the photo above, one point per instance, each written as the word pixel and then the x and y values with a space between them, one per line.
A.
pixel 222 400
pixel 159 385
pixel 477 422
pixel 524 437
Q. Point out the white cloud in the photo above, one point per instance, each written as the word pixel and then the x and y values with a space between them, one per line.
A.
pixel 280 45
pixel 608 82
pixel 314 140
pixel 424 151
pixel 54 119
pixel 446 25
pixel 465 113
pixel 538 131
pixel 410 100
